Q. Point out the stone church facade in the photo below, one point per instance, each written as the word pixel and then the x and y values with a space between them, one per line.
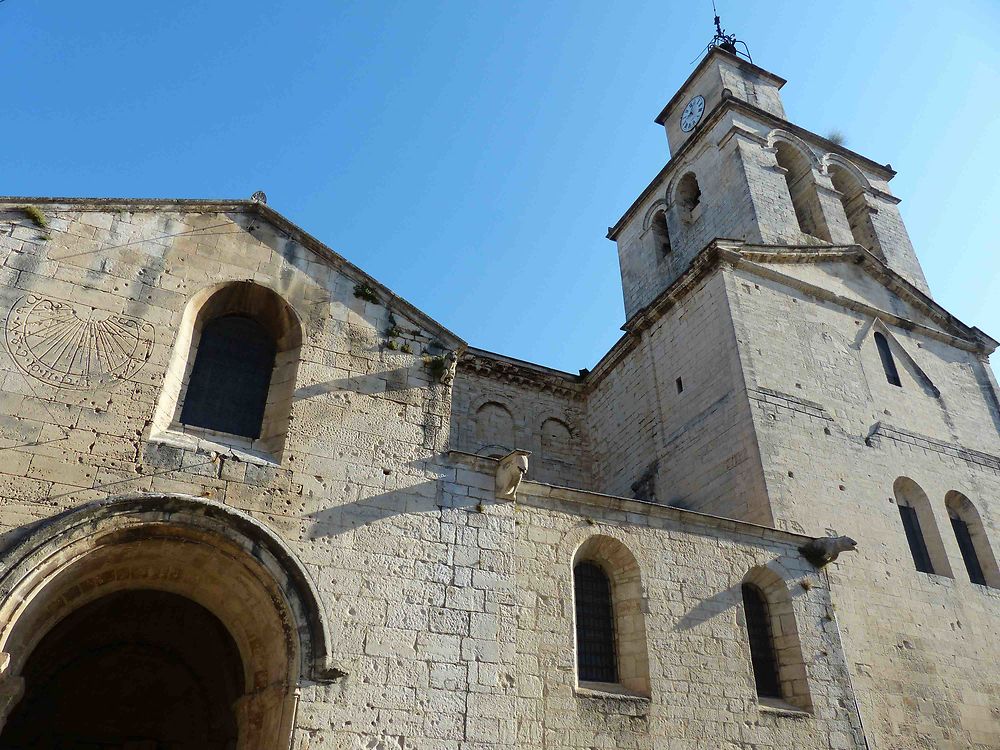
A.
pixel 251 498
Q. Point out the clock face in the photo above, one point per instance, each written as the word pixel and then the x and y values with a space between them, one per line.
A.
pixel 692 113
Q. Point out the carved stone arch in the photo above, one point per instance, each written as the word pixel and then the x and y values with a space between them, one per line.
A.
pixel 556 436
pixel 628 596
pixel 909 494
pixel 279 319
pixel 778 135
pixel 801 171
pixel 670 195
pixel 494 427
pixel 976 549
pixel 770 580
pixel 658 206
pixel 856 197
pixel 830 159
pixel 200 550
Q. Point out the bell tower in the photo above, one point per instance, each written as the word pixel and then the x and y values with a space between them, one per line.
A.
pixel 739 169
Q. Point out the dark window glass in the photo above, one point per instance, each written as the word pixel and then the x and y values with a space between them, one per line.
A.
pixel 231 376
pixel 968 551
pixel 595 625
pixel 888 363
pixel 915 538
pixel 762 656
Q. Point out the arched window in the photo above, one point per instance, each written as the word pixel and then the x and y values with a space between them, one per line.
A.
pixel 688 196
pixel 888 363
pixel 232 373
pixel 762 654
pixel 977 554
pixel 661 235
pixel 802 190
pixel 609 614
pixel 229 383
pixel 596 658
pixel 922 537
pixel 852 198
pixel 779 668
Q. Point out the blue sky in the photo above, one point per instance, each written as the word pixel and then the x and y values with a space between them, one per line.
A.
pixel 471 155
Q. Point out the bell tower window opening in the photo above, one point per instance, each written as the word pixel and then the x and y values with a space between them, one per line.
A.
pixel 802 190
pixel 661 235
pixel 688 196
pixel 888 363
pixel 231 377
pixel 852 198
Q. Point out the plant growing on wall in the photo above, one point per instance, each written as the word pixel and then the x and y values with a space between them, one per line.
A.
pixel 35 214
pixel 365 292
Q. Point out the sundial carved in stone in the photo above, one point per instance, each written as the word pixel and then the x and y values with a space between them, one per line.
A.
pixel 75 346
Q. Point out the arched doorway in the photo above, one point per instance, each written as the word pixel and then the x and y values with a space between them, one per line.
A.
pixel 133 670
pixel 192 565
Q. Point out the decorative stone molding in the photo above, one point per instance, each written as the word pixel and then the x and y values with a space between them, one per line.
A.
pixel 510 471
pixel 487 365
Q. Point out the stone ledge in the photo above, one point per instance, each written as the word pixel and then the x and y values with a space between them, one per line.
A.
pixel 587 689
pixel 917 440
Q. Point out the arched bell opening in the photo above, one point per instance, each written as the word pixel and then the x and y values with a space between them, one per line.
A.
pixel 207 565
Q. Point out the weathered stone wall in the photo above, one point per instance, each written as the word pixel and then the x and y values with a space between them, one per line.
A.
pixel 670 416
pixel 701 692
pixel 834 438
pixel 415 581
pixel 492 415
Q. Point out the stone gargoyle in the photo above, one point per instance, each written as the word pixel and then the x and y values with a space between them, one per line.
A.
pixel 823 551
pixel 510 472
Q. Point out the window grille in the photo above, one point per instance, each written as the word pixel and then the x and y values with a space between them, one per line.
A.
pixel 888 363
pixel 762 655
pixel 229 383
pixel 595 625
pixel 915 538
pixel 968 550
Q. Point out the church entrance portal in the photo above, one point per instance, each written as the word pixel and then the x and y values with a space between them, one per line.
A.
pixel 153 622
pixel 133 670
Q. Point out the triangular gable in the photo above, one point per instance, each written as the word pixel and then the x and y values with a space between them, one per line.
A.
pixel 258 213
pixel 856 279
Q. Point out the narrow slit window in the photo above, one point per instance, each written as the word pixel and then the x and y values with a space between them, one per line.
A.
pixel 231 377
pixel 915 539
pixel 762 654
pixel 968 549
pixel 680 385
pixel 595 625
pixel 888 363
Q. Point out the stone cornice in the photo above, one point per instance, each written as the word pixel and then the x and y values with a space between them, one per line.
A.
pixel 923 442
pixel 538 494
pixel 520 373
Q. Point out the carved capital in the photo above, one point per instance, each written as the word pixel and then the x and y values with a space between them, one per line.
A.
pixel 510 472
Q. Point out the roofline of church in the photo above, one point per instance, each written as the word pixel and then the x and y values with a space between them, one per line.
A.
pixel 717 52
pixel 392 300
pixel 882 170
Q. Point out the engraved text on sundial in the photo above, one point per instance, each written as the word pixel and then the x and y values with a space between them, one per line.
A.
pixel 74 346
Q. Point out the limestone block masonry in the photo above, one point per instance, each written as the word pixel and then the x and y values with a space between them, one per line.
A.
pixel 372 566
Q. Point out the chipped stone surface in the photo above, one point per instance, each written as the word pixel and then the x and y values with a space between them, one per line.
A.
pixel 396 603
